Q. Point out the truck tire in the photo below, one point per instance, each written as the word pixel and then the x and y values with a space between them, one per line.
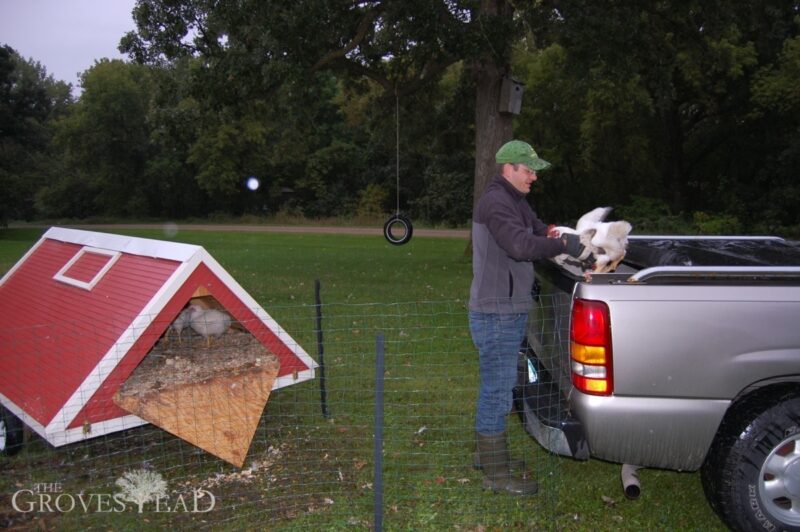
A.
pixel 10 433
pixel 752 473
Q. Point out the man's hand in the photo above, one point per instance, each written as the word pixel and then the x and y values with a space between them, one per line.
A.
pixel 572 244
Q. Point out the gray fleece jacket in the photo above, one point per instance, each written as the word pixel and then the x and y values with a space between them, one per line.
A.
pixel 506 237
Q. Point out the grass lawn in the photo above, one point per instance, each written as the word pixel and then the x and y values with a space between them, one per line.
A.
pixel 308 472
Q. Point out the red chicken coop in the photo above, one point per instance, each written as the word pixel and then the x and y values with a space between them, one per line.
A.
pixel 84 316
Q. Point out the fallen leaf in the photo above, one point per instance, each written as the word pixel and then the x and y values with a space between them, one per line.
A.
pixel 608 500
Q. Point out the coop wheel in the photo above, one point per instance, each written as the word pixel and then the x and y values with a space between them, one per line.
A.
pixel 398 229
pixel 10 433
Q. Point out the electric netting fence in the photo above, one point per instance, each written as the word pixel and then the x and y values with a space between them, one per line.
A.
pixel 311 462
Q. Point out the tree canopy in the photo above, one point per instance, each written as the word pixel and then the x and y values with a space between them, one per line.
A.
pixel 30 101
pixel 657 109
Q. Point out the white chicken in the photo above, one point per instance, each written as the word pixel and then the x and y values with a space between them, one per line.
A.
pixel 208 323
pixel 607 241
pixel 180 323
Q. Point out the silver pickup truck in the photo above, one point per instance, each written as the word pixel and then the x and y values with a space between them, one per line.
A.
pixel 686 357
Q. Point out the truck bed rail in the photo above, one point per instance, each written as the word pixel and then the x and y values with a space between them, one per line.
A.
pixel 716 273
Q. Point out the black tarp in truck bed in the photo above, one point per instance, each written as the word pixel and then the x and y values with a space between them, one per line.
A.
pixel 647 252
pixel 658 252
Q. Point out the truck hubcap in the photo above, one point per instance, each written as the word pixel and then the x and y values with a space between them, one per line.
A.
pixel 792 480
pixel 779 483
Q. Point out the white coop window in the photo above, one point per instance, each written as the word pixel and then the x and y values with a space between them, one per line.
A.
pixel 87 267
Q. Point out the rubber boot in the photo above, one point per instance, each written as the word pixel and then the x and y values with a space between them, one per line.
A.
pixel 514 464
pixel 494 457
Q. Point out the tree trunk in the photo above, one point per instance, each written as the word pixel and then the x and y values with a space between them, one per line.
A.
pixel 673 170
pixel 492 128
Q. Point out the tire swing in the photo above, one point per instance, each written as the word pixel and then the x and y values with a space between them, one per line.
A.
pixel 398 229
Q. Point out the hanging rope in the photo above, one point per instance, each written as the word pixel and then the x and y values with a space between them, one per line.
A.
pixel 397 148
pixel 397 221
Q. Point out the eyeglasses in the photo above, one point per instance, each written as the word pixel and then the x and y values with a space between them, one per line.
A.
pixel 527 170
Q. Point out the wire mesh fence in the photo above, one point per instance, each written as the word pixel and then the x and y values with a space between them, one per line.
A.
pixel 311 462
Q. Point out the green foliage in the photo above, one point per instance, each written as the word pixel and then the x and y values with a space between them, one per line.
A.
pixel 447 196
pixel 372 201
pixel 221 152
pixel 650 215
pixel 104 142
pixel 325 188
pixel 693 104
pixel 71 195
pixel 775 87
pixel 662 95
pixel 719 224
pixel 174 122
pixel 30 100
pixel 653 216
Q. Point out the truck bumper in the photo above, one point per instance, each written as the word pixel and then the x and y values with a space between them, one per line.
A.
pixel 658 432
pixel 667 433
pixel 543 409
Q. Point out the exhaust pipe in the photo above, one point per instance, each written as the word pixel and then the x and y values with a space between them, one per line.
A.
pixel 630 481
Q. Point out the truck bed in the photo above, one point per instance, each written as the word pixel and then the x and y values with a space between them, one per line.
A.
pixel 697 272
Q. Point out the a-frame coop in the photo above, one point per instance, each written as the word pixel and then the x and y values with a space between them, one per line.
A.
pixel 86 346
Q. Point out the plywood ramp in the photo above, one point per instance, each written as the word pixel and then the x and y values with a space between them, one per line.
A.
pixel 211 397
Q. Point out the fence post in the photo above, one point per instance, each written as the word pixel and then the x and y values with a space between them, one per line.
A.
pixel 378 480
pixel 321 352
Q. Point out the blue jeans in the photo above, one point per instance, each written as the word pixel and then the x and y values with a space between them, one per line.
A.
pixel 498 338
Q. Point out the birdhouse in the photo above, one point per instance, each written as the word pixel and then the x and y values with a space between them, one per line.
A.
pixel 511 95
pixel 81 316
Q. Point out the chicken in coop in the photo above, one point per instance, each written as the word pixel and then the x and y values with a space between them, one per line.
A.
pixel 606 241
pixel 208 323
pixel 180 323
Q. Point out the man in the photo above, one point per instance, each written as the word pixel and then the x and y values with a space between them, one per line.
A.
pixel 506 237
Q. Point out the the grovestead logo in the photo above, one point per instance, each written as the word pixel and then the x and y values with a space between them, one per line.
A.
pixel 144 488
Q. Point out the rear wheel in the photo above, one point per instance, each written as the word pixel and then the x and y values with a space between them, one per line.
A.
pixel 10 433
pixel 752 474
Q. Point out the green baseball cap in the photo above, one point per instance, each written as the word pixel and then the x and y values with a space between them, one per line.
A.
pixel 518 152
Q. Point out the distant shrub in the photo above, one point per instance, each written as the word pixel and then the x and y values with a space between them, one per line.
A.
pixel 651 216
pixel 447 197
pixel 372 201
pixel 716 224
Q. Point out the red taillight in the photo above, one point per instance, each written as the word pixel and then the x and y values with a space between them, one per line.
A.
pixel 590 348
